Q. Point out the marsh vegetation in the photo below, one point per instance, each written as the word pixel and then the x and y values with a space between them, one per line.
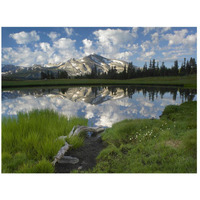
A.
pixel 29 141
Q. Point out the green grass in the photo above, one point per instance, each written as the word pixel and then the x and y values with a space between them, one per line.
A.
pixel 29 142
pixel 186 81
pixel 166 145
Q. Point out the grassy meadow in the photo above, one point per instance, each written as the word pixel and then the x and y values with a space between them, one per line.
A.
pixel 165 145
pixel 29 142
pixel 186 81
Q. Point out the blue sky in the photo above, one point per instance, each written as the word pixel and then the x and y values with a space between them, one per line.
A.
pixel 26 46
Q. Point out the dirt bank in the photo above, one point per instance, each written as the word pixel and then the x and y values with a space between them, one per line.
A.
pixel 86 154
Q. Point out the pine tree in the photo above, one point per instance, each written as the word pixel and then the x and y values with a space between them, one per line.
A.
pixel 174 70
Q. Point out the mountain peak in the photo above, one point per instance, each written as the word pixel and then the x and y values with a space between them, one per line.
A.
pixel 74 67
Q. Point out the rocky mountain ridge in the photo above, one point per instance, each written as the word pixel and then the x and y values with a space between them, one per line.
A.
pixel 74 67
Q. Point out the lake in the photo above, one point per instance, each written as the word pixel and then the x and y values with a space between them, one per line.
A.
pixel 102 106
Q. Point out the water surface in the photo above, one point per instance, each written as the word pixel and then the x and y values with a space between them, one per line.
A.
pixel 100 105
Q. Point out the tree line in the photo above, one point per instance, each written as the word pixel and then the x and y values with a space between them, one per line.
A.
pixel 54 75
pixel 152 69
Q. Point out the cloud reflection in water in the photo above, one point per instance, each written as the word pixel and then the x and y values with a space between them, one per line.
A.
pixel 101 108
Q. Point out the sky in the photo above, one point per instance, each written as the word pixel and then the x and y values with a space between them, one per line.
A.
pixel 25 46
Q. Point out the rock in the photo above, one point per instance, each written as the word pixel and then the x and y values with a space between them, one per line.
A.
pixel 68 159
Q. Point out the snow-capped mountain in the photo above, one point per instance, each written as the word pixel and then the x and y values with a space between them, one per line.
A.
pixel 73 67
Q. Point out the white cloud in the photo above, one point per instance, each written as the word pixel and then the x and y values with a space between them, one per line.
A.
pixel 87 43
pixel 65 49
pixel 147 30
pixel 145 45
pixel 190 39
pixel 149 54
pixel 24 56
pixel 177 37
pixel 145 56
pixel 134 31
pixel 110 42
pixel 53 35
pixel 177 53
pixel 180 45
pixel 45 46
pixel 24 37
pixel 123 55
pixel 155 38
pixel 69 31
pixel 64 43
pixel 88 49
pixel 165 29
pixel 115 43
pixel 43 53
pixel 113 37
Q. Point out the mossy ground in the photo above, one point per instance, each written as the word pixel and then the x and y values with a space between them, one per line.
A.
pixel 165 145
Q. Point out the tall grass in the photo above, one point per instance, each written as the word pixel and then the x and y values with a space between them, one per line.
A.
pixel 166 145
pixel 30 140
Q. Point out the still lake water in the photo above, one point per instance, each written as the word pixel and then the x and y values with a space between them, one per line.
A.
pixel 102 106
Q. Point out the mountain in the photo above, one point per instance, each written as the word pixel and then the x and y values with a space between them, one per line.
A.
pixel 73 67
pixel 90 95
pixel 10 72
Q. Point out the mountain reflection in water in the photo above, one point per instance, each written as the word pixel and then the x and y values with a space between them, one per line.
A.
pixel 100 105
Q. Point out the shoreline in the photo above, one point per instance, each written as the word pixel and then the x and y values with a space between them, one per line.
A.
pixel 185 81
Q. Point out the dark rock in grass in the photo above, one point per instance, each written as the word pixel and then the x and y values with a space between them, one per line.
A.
pixel 68 159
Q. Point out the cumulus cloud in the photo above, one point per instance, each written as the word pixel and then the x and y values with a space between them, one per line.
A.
pixel 69 31
pixel 177 53
pixel 149 54
pixel 61 50
pixel 147 30
pixel 113 37
pixel 24 37
pixel 113 42
pixel 180 44
pixel 134 31
pixel 165 29
pixel 190 39
pixel 123 55
pixel 88 49
pixel 145 45
pixel 145 56
pixel 177 37
pixel 65 49
pixel 64 43
pixel 155 38
pixel 53 35
pixel 45 46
